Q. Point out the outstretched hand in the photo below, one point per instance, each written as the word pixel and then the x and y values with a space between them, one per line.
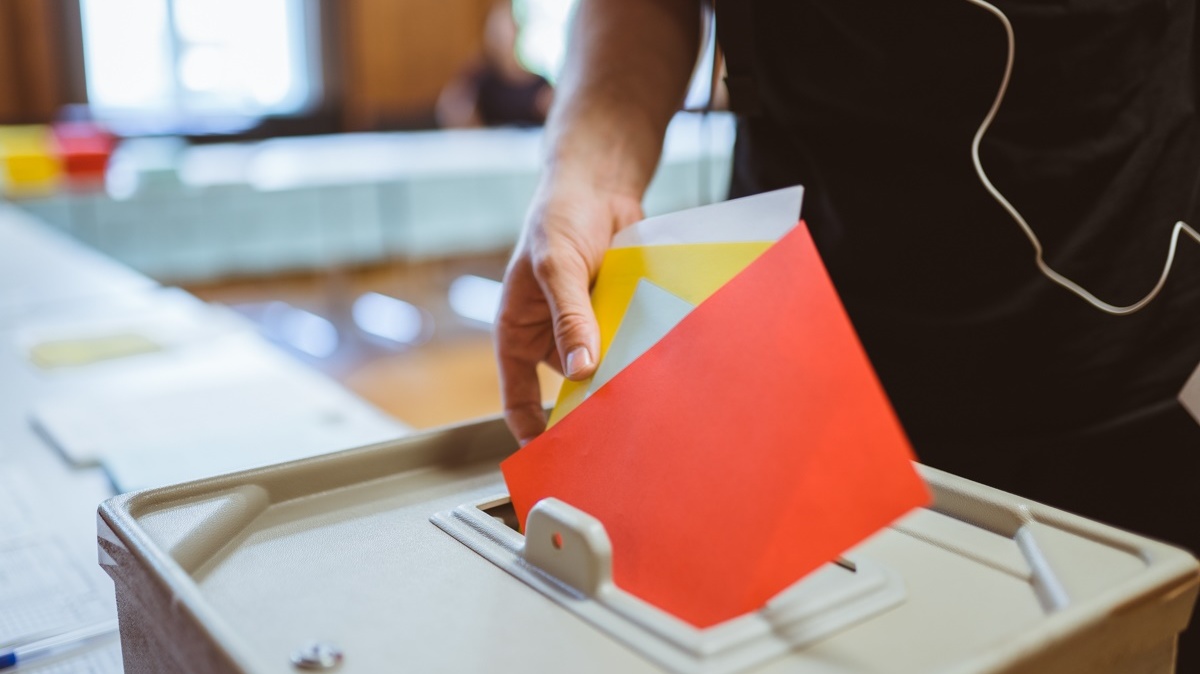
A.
pixel 546 311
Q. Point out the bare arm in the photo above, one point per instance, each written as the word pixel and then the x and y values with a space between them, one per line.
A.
pixel 626 75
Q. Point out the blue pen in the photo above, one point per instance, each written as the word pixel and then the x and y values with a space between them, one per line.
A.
pixel 51 646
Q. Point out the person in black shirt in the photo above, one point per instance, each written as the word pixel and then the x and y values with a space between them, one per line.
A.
pixel 496 90
pixel 997 373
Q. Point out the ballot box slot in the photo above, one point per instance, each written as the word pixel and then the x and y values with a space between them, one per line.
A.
pixel 565 555
pixel 503 512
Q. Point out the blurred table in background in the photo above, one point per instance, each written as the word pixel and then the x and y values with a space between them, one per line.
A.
pixel 192 214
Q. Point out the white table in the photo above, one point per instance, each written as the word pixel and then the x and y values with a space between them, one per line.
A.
pixel 40 268
pixel 49 575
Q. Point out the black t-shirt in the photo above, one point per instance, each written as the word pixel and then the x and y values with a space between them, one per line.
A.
pixel 997 373
pixel 502 102
pixel 872 105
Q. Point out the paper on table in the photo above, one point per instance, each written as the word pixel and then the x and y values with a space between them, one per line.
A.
pixel 87 350
pixel 17 513
pixel 271 416
pixel 237 405
pixel 651 314
pixel 42 591
pixel 748 447
pixel 64 343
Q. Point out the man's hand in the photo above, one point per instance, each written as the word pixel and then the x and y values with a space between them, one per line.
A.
pixel 625 76
pixel 546 312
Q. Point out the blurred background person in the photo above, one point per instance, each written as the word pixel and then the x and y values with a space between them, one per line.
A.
pixel 496 90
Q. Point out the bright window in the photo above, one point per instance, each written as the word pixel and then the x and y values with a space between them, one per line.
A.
pixel 543 39
pixel 543 42
pixel 190 58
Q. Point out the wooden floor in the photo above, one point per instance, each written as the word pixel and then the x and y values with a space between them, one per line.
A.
pixel 450 377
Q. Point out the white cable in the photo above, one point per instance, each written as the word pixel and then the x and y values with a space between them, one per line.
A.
pixel 1016 216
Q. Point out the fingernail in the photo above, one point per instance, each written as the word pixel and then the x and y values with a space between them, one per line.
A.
pixel 578 360
pixel 524 441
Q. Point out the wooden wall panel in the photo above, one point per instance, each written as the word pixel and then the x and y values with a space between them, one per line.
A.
pixel 42 56
pixel 32 83
pixel 10 100
pixel 398 54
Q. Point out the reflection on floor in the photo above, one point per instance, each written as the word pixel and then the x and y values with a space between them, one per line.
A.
pixel 413 339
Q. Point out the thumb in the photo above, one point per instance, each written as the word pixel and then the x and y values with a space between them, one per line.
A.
pixel 564 278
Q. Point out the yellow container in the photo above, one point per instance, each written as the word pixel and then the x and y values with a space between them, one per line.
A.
pixel 28 162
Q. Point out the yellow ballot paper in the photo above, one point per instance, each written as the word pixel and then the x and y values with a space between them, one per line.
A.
pixel 688 254
pixel 87 350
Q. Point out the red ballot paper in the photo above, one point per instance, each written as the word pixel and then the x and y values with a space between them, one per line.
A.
pixel 748 447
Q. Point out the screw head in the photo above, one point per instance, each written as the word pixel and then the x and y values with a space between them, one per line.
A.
pixel 317 656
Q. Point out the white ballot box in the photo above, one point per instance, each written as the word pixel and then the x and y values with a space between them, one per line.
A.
pixel 402 557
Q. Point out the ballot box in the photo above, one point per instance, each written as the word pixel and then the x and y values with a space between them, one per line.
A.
pixel 404 557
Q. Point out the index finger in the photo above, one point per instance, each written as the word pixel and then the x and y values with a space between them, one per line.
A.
pixel 523 339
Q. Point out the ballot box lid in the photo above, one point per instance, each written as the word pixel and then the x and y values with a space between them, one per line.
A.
pixel 404 557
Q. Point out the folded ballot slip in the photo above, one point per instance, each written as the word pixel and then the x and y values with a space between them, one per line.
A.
pixel 734 437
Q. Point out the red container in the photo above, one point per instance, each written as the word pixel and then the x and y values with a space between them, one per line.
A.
pixel 84 149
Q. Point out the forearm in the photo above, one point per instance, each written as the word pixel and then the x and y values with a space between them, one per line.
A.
pixel 626 75
pixel 627 70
